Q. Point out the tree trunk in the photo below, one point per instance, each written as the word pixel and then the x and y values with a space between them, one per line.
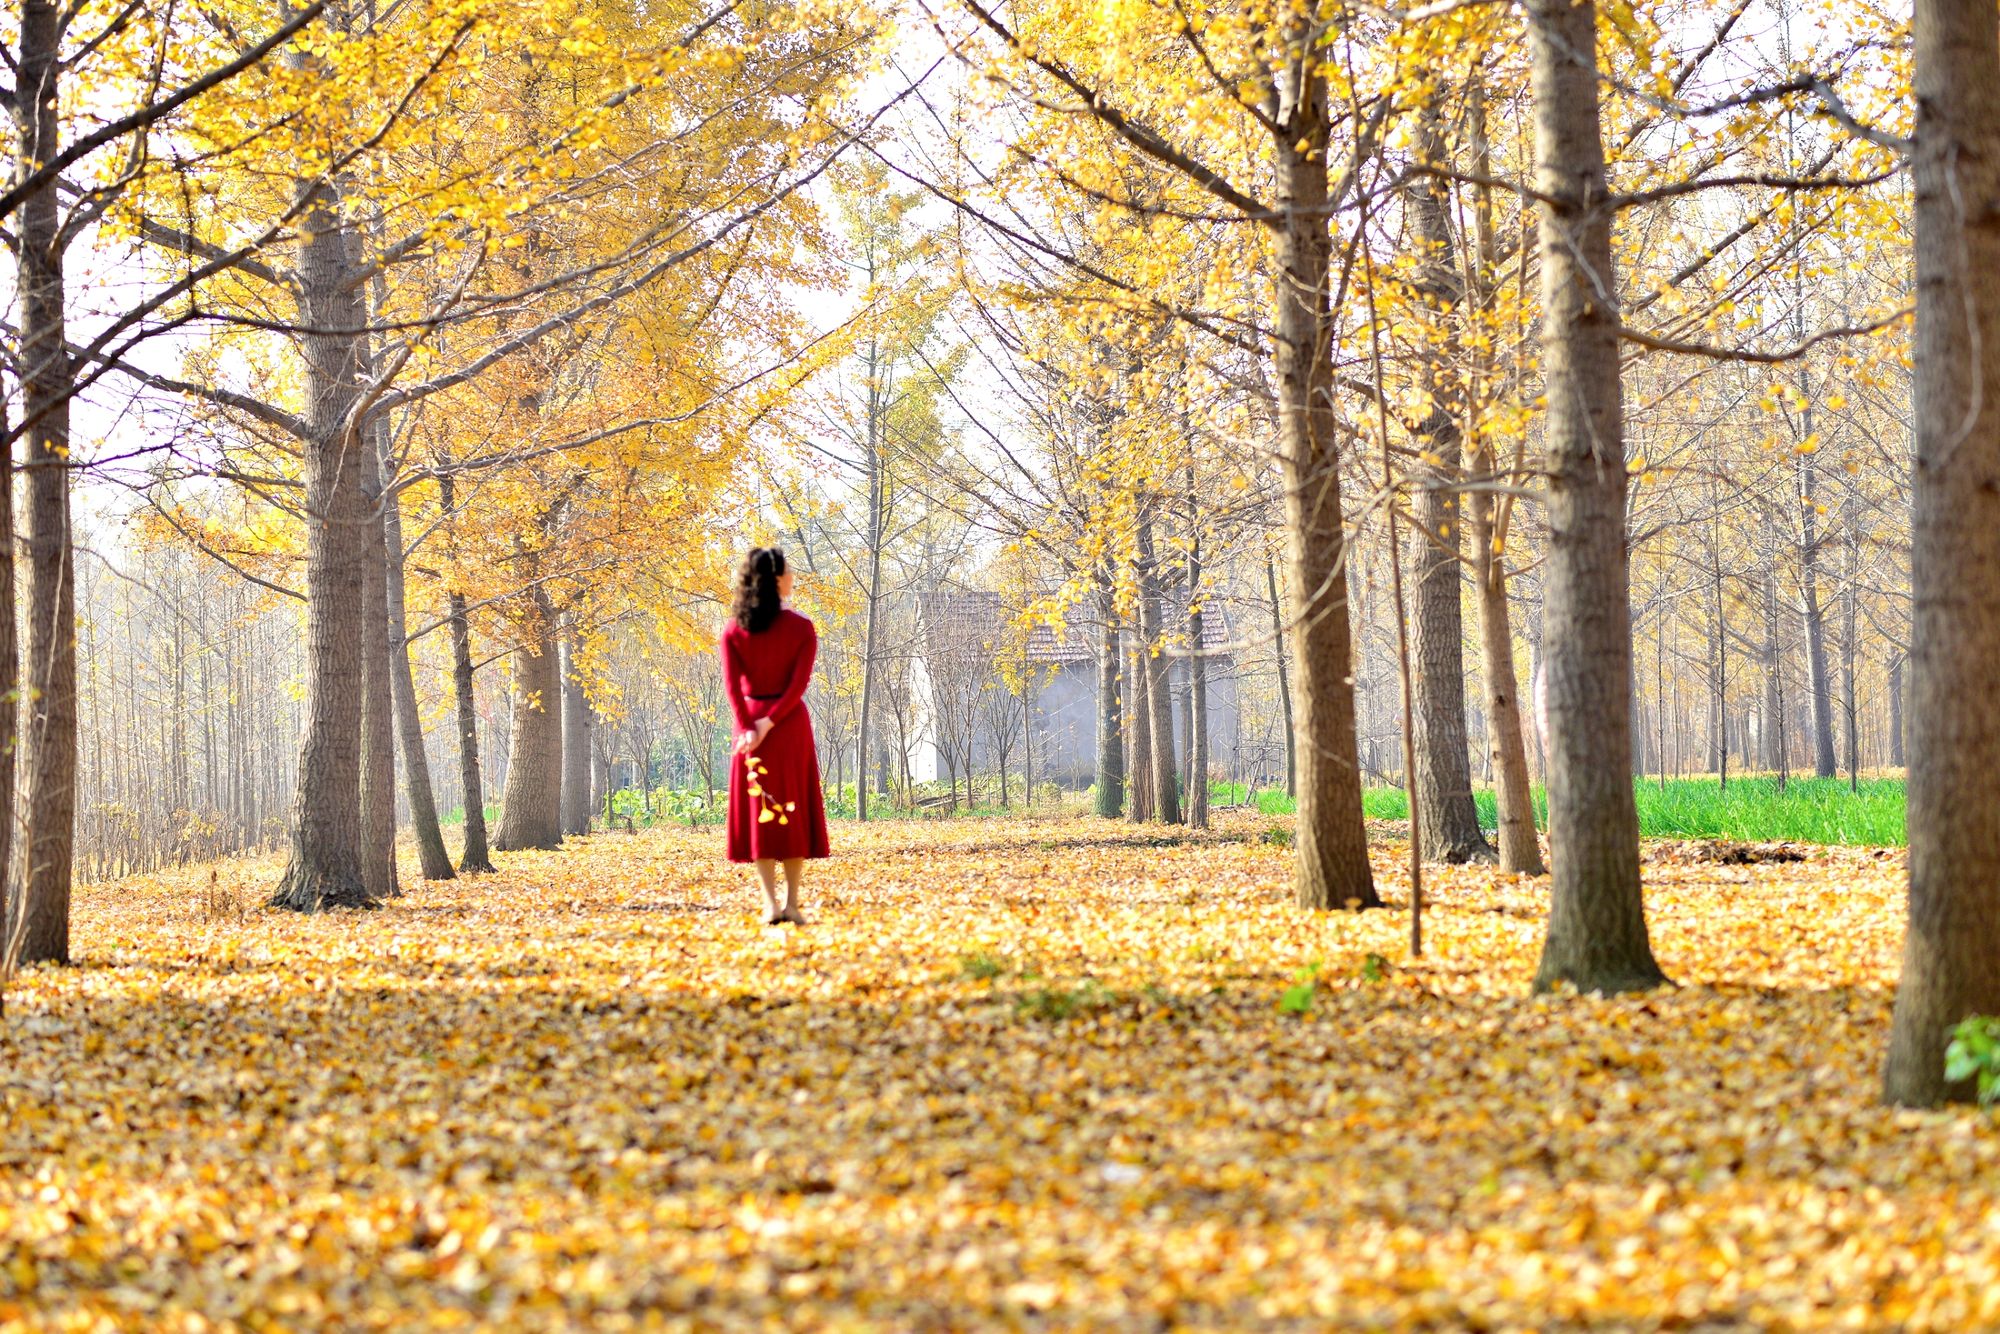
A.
pixel 1896 709
pixel 49 776
pixel 325 870
pixel 1443 778
pixel 1159 684
pixel 576 746
pixel 1197 767
pixel 475 858
pixel 1951 950
pixel 1283 667
pixel 531 813
pixel 1330 868
pixel 1597 920
pixel 1821 683
pixel 1140 722
pixel 1774 690
pixel 1110 744
pixel 378 723
pixel 433 858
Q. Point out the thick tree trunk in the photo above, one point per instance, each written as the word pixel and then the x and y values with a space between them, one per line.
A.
pixel 1330 868
pixel 531 814
pixel 576 746
pixel 49 775
pixel 1443 779
pixel 1597 938
pixel 1951 950
pixel 433 858
pixel 1159 683
pixel 378 703
pixel 1110 742
pixel 325 870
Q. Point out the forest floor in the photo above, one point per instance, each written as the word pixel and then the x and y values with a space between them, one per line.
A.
pixel 1017 1074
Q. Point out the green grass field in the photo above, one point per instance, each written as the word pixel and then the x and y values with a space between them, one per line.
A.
pixel 1809 810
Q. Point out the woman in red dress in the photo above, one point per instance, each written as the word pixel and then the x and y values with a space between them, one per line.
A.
pixel 775 810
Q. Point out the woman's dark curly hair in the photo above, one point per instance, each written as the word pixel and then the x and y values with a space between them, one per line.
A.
pixel 757 589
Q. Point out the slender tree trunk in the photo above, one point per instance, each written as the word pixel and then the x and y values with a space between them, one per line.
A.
pixel 1896 709
pixel 433 858
pixel 1774 693
pixel 1849 615
pixel 1330 868
pixel 475 858
pixel 378 723
pixel 1110 744
pixel 1140 722
pixel 1283 666
pixel 50 742
pixel 1951 950
pixel 1597 937
pixel 576 745
pixel 1197 767
pixel 531 813
pixel 869 635
pixel 328 838
pixel 1159 684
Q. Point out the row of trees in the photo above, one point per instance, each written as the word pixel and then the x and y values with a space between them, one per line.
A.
pixel 469 304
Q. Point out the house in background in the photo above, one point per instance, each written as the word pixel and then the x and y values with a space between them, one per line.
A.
pixel 964 638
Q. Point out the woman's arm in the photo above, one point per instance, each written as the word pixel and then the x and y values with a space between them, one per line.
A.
pixel 802 670
pixel 732 683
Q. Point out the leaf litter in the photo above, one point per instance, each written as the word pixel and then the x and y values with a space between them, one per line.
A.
pixel 1030 1074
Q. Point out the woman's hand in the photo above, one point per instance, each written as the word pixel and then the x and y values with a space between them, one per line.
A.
pixel 747 742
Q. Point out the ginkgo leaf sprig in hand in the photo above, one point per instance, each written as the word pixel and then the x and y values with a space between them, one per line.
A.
pixel 769 808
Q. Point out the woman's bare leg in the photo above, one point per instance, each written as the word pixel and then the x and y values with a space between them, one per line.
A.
pixel 767 871
pixel 794 869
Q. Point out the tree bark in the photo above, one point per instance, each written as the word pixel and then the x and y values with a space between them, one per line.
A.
pixel 1283 665
pixel 378 723
pixel 576 745
pixel 1821 684
pixel 531 814
pixel 1597 937
pixel 475 857
pixel 1951 950
pixel 49 776
pixel 325 870
pixel 1110 743
pixel 1443 778
pixel 1330 865
pixel 1197 767
pixel 433 858
pixel 1159 685
pixel 1896 709
pixel 1140 723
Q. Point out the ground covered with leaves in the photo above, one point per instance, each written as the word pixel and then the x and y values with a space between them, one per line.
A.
pixel 1017 1074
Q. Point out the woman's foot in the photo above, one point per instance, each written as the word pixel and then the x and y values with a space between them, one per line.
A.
pixel 794 916
pixel 776 919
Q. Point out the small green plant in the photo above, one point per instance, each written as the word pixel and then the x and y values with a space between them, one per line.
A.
pixel 1374 968
pixel 1058 1003
pixel 1974 1053
pixel 1277 836
pixel 1298 997
pixel 981 966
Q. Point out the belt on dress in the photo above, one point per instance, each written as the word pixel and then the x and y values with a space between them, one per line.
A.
pixel 764 698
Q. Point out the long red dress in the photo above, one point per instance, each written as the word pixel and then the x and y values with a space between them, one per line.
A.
pixel 765 675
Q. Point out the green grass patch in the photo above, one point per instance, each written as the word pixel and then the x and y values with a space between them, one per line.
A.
pixel 1809 810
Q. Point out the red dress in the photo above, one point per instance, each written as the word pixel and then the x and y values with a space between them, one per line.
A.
pixel 765 675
